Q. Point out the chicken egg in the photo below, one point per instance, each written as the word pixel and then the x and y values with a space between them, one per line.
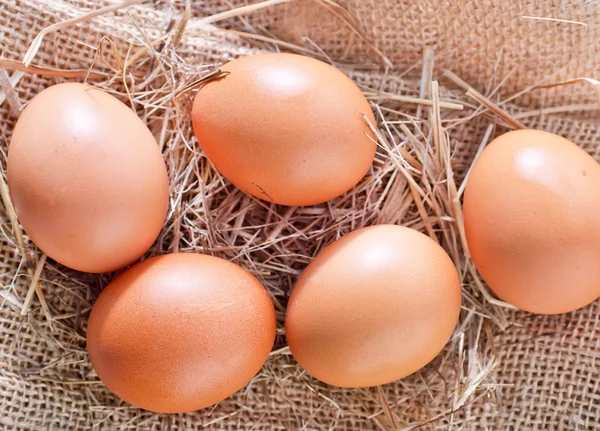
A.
pixel 285 128
pixel 373 307
pixel 180 332
pixel 86 177
pixel 531 219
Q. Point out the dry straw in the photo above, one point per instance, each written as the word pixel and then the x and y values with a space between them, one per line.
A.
pixel 414 182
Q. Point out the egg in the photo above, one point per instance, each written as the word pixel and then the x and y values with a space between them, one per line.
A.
pixel 531 210
pixel 180 332
pixel 373 307
pixel 86 177
pixel 285 128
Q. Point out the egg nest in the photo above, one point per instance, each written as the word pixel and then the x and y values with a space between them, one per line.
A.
pixel 154 57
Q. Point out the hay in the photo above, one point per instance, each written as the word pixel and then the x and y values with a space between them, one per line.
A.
pixel 154 57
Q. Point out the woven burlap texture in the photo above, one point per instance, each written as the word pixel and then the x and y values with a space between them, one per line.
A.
pixel 546 376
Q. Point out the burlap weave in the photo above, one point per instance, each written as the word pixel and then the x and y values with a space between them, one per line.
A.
pixel 546 376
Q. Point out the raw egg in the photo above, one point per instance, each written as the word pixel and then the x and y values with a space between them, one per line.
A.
pixel 180 332
pixel 373 307
pixel 285 128
pixel 531 210
pixel 86 177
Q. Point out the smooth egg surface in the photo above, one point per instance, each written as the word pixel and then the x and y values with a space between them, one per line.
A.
pixel 531 210
pixel 180 332
pixel 373 307
pixel 86 177
pixel 285 128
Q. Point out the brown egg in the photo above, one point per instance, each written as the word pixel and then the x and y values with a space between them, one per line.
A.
pixel 373 307
pixel 285 128
pixel 180 332
pixel 531 210
pixel 87 179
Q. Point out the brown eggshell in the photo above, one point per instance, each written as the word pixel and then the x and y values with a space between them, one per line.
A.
pixel 531 211
pixel 180 332
pixel 285 128
pixel 373 307
pixel 87 179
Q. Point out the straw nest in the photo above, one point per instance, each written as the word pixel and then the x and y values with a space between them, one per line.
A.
pixel 416 180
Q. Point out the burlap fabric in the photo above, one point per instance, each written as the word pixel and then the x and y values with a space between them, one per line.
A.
pixel 536 372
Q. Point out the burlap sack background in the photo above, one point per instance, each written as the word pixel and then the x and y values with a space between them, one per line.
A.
pixel 546 375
